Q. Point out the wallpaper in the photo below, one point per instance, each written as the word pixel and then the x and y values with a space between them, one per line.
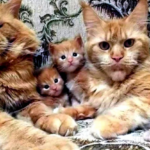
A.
pixel 57 20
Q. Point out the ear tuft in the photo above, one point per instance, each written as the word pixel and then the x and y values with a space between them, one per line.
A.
pixel 14 6
pixel 83 4
pixel 139 14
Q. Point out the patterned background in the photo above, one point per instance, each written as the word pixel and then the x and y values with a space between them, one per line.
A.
pixel 56 20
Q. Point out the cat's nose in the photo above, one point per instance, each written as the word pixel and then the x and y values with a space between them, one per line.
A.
pixel 54 88
pixel 117 58
pixel 70 60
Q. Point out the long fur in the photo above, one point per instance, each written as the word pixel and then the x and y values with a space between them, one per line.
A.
pixel 18 91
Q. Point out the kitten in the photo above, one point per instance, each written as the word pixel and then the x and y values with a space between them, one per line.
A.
pixel 18 91
pixel 69 59
pixel 50 85
pixel 118 56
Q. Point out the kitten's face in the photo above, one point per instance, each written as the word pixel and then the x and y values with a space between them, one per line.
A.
pixel 15 37
pixel 117 46
pixel 68 55
pixel 50 83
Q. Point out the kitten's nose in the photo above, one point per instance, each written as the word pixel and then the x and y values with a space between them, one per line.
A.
pixel 117 58
pixel 70 60
pixel 54 88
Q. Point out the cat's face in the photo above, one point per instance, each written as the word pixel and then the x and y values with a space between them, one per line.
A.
pixel 118 46
pixel 50 83
pixel 15 38
pixel 68 55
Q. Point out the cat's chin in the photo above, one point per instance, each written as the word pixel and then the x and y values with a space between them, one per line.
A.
pixel 118 76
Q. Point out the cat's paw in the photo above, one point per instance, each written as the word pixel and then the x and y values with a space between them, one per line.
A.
pixel 146 136
pixel 58 124
pixel 107 127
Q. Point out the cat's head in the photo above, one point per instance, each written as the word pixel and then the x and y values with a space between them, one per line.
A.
pixel 50 82
pixel 15 37
pixel 68 56
pixel 117 46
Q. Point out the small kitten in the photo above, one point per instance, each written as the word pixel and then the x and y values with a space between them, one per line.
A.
pixel 69 59
pixel 50 85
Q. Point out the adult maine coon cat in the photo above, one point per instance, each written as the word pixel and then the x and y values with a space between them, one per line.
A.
pixel 18 91
pixel 117 71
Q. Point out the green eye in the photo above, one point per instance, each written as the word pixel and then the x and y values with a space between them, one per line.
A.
pixel 104 45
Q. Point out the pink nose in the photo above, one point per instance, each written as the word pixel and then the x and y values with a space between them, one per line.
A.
pixel 54 88
pixel 117 58
pixel 70 60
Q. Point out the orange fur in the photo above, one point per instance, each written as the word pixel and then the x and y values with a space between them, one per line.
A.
pixel 18 90
pixel 54 94
pixel 117 71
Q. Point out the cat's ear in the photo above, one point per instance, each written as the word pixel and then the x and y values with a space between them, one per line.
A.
pixel 139 14
pixel 90 17
pixel 78 39
pixel 51 48
pixel 14 6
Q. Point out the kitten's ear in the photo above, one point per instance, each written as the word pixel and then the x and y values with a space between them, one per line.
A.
pixel 139 14
pixel 78 39
pixel 51 48
pixel 90 17
pixel 14 6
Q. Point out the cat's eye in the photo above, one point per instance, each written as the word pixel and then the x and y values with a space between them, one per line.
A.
pixel 56 80
pixel 63 57
pixel 129 43
pixel 1 25
pixel 46 86
pixel 74 54
pixel 104 45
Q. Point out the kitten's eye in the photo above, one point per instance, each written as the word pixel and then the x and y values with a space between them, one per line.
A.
pixel 46 86
pixel 74 54
pixel 129 43
pixel 63 57
pixel 104 45
pixel 1 25
pixel 56 80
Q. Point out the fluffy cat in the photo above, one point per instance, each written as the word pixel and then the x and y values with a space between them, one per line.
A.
pixel 69 58
pixel 18 91
pixel 118 58
pixel 50 85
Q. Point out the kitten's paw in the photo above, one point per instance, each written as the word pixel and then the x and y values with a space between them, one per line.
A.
pixel 107 127
pixel 79 112
pixel 58 124
pixel 146 136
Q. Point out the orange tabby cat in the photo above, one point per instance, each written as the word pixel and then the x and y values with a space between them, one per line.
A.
pixel 118 58
pixel 18 91
pixel 51 86
pixel 69 58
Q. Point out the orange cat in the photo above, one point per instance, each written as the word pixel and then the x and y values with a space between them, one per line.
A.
pixel 69 58
pixel 51 86
pixel 118 58
pixel 18 91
